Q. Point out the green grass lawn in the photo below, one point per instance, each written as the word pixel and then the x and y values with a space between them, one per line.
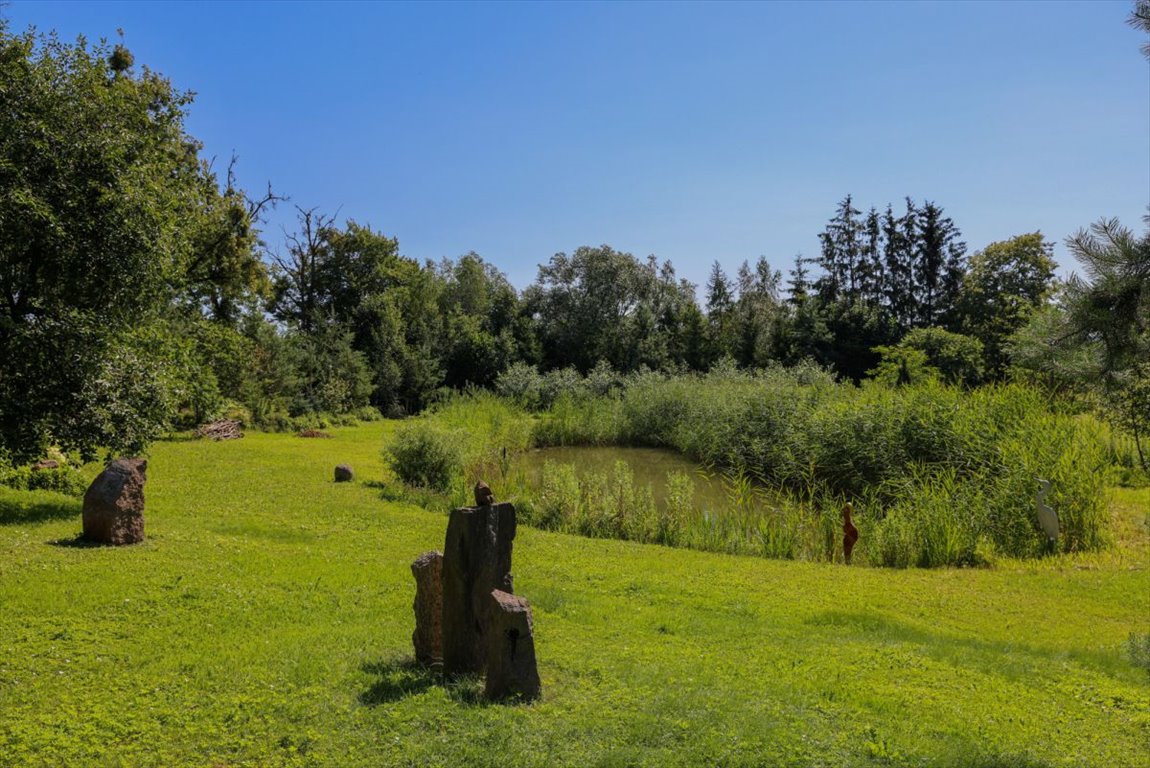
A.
pixel 267 621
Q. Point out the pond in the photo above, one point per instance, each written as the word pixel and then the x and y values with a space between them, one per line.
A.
pixel 649 466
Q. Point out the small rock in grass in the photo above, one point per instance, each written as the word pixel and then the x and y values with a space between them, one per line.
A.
pixel 114 504
pixel 343 474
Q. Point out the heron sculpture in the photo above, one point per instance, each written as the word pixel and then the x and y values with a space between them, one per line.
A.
pixel 1047 517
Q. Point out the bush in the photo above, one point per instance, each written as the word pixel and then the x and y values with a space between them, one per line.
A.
pixel 63 479
pixel 928 353
pixel 522 384
pixel 557 503
pixel 475 434
pixel 423 456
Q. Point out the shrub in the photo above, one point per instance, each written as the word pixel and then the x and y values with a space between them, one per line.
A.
pixel 424 456
pixel 557 504
pixel 63 479
pixel 931 353
pixel 522 384
pixel 679 509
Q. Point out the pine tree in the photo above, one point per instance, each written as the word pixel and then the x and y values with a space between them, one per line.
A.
pixel 839 259
pixel 870 261
pixel 720 307
pixel 939 264
pixel 798 287
pixel 898 236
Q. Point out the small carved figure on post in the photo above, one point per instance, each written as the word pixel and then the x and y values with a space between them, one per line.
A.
pixel 483 495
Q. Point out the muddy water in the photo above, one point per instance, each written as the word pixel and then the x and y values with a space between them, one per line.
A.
pixel 649 466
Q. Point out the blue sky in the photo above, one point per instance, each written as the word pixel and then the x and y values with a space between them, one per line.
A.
pixel 696 132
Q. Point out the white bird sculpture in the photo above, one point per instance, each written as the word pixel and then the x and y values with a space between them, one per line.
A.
pixel 1047 517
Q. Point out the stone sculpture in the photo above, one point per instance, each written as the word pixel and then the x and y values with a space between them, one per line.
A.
pixel 850 532
pixel 483 494
pixel 511 670
pixel 476 560
pixel 428 636
pixel 114 503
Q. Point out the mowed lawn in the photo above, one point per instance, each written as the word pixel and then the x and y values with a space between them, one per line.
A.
pixel 267 621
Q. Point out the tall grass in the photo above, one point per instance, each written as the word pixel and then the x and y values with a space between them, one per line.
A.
pixel 940 476
pixel 472 436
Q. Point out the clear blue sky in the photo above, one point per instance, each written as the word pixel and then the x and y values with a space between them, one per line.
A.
pixel 697 132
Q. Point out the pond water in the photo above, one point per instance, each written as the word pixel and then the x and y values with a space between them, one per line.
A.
pixel 649 466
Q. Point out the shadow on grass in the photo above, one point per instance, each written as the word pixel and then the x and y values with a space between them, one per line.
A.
pixel 1009 659
pixel 13 511
pixel 403 677
pixel 76 542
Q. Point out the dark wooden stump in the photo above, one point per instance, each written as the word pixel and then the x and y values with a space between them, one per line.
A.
pixel 511 670
pixel 476 560
pixel 428 636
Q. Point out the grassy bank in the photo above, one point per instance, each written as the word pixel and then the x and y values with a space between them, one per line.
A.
pixel 267 620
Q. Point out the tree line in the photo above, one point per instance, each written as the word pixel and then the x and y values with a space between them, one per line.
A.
pixel 137 293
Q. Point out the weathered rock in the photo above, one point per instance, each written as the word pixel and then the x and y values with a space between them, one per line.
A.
pixel 511 670
pixel 344 474
pixel 428 636
pixel 483 494
pixel 476 560
pixel 114 503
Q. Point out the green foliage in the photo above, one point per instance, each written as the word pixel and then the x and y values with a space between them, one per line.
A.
pixel 926 354
pixel 522 384
pixel 485 329
pixel 64 479
pixel 1004 285
pixel 95 174
pixel 331 376
pixel 581 419
pixel 900 366
pixel 458 442
pixel 110 222
pixel 133 396
pixel 599 304
pixel 1096 339
pixel 423 456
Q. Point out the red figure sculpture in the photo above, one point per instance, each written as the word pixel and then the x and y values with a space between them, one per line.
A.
pixel 850 533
